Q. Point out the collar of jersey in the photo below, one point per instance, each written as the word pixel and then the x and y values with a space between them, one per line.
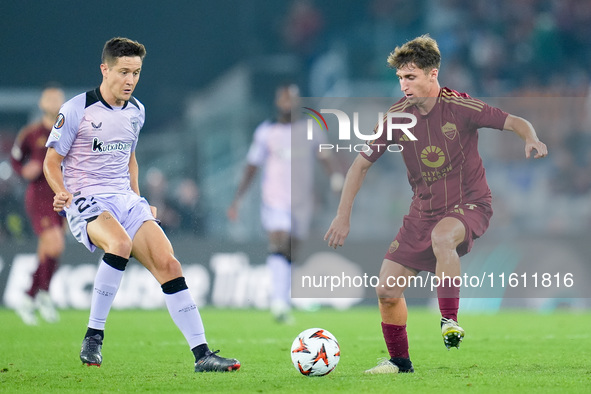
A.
pixel 100 97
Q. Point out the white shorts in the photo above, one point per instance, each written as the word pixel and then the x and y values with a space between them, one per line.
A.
pixel 297 223
pixel 129 209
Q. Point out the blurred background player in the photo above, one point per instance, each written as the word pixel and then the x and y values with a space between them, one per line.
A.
pixel 451 206
pixel 92 168
pixel 287 195
pixel 27 157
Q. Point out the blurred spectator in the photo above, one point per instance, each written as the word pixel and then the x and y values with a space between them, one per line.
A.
pixel 159 195
pixel 303 25
pixel 187 205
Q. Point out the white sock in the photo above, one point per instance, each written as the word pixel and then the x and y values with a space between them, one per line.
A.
pixel 185 315
pixel 280 282
pixel 106 284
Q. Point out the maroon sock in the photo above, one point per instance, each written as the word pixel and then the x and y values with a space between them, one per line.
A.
pixel 449 299
pixel 47 270
pixel 35 286
pixel 396 340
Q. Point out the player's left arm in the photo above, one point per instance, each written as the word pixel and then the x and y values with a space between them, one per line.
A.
pixel 134 172
pixel 524 129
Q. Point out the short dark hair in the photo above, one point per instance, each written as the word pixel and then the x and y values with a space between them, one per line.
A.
pixel 119 47
pixel 422 51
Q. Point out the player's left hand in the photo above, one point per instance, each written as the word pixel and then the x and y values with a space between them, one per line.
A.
pixel 538 146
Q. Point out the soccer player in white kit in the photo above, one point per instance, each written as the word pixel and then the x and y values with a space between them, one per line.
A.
pixel 92 168
pixel 287 198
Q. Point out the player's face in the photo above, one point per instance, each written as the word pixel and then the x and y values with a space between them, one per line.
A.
pixel 416 84
pixel 285 98
pixel 120 79
pixel 51 100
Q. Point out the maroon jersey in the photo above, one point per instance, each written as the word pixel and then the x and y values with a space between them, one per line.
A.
pixel 30 146
pixel 444 167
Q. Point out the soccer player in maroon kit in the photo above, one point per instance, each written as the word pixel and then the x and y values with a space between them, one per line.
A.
pixel 27 157
pixel 451 205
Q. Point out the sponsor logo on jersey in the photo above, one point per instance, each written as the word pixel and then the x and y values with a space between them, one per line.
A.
pixel 102 147
pixel 432 156
pixel 449 130
pixel 55 134
pixel 96 126
pixel 59 122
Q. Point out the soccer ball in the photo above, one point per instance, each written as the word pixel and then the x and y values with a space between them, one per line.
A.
pixel 315 352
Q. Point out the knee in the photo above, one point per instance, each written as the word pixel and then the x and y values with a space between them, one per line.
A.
pixel 55 250
pixel 282 247
pixel 443 242
pixel 120 247
pixel 169 267
pixel 388 294
pixel 390 302
pixel 52 244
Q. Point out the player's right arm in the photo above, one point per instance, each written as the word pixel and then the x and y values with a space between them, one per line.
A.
pixel 255 158
pixel 247 178
pixel 58 145
pixel 53 173
pixel 23 156
pixel 339 228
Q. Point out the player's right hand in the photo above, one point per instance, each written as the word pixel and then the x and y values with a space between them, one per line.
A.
pixel 61 200
pixel 337 232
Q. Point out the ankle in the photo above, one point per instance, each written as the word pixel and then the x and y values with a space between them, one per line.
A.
pixel 200 351
pixel 90 332
pixel 403 364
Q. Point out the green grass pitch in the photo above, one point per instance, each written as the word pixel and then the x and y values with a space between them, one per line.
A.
pixel 517 351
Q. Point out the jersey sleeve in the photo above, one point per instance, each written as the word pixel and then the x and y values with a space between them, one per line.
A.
pixel 488 116
pixel 66 126
pixel 374 149
pixel 257 153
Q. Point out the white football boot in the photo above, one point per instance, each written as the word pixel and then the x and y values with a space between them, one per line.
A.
pixel 26 310
pixel 46 307
pixel 452 333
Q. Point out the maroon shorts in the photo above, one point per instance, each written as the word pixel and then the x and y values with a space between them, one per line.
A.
pixel 39 206
pixel 412 245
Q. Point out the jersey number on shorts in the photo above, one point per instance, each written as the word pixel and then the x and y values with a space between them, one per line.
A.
pixel 80 203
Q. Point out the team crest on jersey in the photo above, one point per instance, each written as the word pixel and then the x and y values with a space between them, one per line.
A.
pixel 393 246
pixel 59 122
pixel 135 125
pixel 449 130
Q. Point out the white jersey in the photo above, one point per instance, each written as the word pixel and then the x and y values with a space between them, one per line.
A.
pixel 287 162
pixel 96 141
pixel 271 150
